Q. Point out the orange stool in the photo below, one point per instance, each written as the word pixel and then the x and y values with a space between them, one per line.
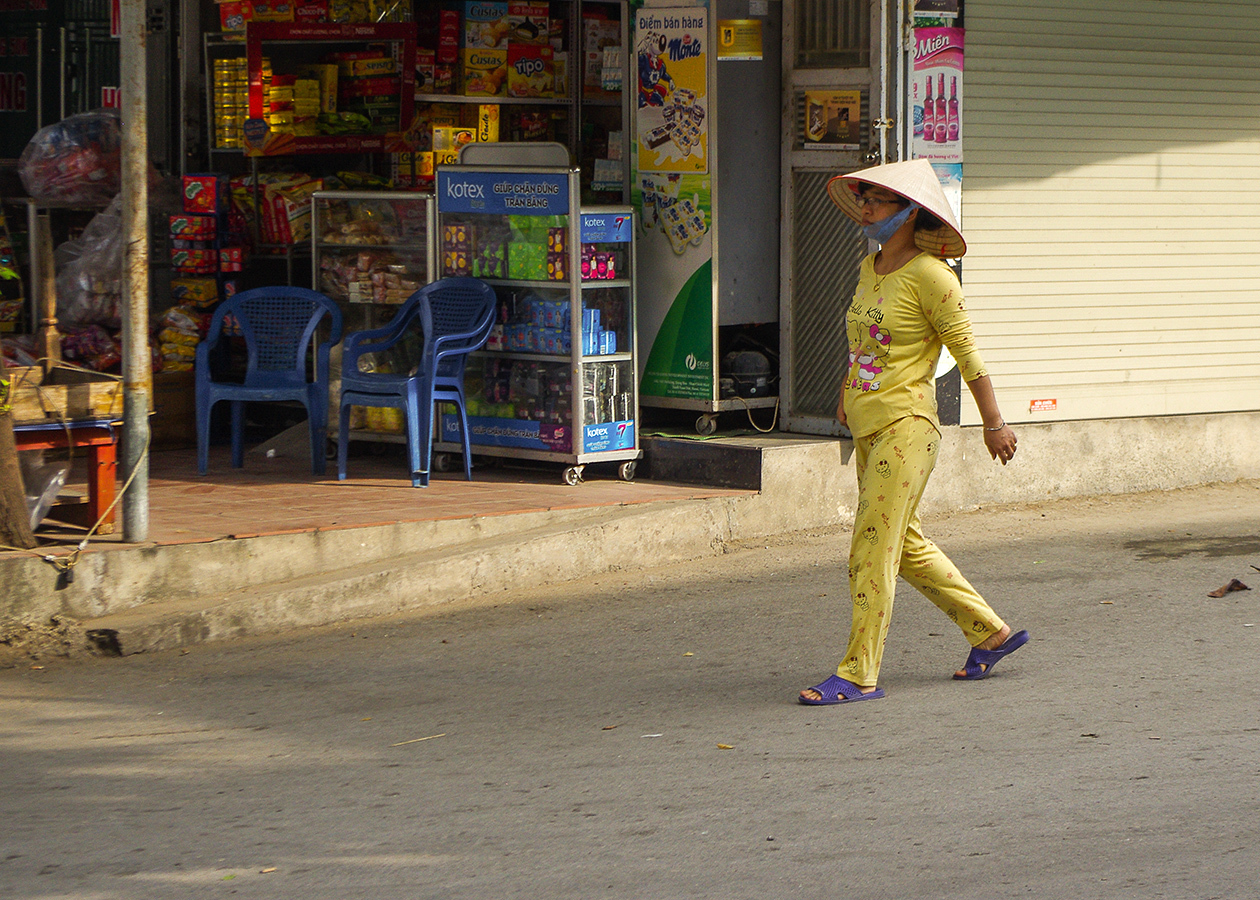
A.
pixel 100 439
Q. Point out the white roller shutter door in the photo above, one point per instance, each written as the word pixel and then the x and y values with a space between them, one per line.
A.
pixel 1111 203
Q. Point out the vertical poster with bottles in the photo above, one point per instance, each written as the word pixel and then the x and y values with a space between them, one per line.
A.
pixel 556 379
pixel 936 86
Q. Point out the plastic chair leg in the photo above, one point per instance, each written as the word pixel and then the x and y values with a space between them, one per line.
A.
pixel 424 422
pixel 203 434
pixel 319 435
pixel 415 431
pixel 463 431
pixel 343 438
pixel 238 434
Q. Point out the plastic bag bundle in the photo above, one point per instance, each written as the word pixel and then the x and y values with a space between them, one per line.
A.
pixel 89 272
pixel 76 161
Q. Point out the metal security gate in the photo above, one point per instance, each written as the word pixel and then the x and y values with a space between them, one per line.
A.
pixel 829 46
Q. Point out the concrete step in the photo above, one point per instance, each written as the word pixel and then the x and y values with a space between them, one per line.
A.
pixel 144 599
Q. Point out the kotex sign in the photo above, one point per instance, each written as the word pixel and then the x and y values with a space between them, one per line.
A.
pixel 503 193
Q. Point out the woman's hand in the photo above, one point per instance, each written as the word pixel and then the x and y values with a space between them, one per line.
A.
pixel 1001 443
pixel 840 410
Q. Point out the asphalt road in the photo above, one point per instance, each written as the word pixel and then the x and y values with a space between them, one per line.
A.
pixel 637 736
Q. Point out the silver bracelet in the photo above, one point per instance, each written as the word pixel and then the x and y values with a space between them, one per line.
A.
pixel 999 428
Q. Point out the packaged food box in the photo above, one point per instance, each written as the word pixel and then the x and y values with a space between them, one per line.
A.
pixel 485 73
pixel 598 32
pixel 529 23
pixel 447 142
pixel 374 86
pixel 488 122
pixel 234 16
pixel 449 35
pixel 531 71
pixel 354 68
pixel 231 259
pixel 205 193
pixel 273 11
pixel 193 227
pixel 199 292
pixel 194 261
pixel 486 25
pixel 310 11
pixel 426 62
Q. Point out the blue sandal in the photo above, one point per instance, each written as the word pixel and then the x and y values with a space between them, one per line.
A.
pixel 980 663
pixel 837 690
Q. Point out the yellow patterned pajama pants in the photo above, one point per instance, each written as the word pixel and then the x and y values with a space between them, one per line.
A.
pixel 893 466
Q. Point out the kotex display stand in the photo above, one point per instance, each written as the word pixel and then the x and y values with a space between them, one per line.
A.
pixel 557 379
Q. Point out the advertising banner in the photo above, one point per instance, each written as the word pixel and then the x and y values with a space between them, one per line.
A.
pixel 936 92
pixel 675 285
pixel 675 207
pixel 504 193
pixel 672 124
pixel 833 120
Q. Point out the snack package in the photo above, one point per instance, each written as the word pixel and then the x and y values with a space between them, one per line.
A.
pixel 531 71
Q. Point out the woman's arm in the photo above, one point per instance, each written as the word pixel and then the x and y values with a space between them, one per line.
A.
pixel 998 436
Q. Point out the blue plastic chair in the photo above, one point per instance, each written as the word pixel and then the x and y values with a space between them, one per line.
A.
pixel 278 324
pixel 454 316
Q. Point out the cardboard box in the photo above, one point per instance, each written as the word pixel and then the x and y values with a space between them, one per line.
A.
pixel 272 11
pixel 449 35
pixel 486 25
pixel 485 73
pixel 205 193
pixel 236 15
pixel 598 33
pixel 529 23
pixel 531 71
pixel 379 86
pixel 488 122
pixel 426 63
pixel 310 11
pixel 174 420
pixel 448 141
pixel 355 68
pixel 63 394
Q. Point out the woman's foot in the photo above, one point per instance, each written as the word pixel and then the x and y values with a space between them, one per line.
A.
pixel 813 697
pixel 992 642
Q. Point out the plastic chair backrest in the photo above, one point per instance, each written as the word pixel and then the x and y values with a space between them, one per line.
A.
pixel 457 315
pixel 278 324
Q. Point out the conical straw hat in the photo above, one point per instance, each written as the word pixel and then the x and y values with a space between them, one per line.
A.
pixel 915 180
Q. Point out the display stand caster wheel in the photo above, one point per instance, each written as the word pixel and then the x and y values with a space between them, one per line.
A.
pixel 573 475
pixel 706 425
pixel 442 462
pixel 626 470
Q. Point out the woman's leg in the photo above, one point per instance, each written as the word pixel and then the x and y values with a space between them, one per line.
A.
pixel 937 578
pixel 893 466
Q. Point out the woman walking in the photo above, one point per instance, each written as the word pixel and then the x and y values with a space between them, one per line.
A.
pixel 907 305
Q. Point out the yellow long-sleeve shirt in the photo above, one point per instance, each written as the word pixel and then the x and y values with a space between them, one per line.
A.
pixel 896 325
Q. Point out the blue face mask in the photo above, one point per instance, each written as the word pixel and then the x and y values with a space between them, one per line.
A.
pixel 880 232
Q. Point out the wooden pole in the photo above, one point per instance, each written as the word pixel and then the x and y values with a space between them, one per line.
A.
pixel 47 337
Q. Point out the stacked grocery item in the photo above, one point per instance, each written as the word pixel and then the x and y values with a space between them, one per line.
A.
pixel 180 330
pixel 234 15
pixel 520 389
pixel 230 103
